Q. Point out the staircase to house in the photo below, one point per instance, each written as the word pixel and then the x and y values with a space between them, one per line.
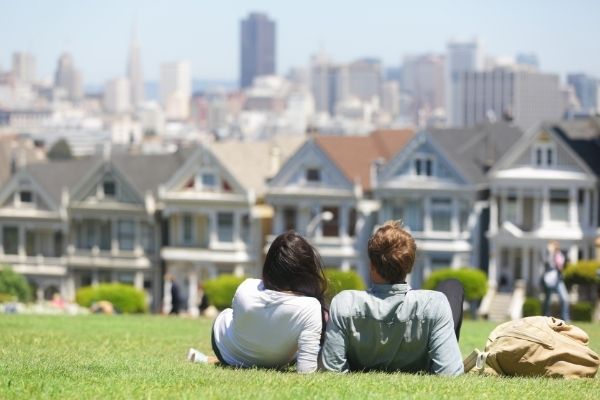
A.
pixel 499 308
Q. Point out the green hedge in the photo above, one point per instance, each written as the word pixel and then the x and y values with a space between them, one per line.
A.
pixel 13 285
pixel 338 280
pixel 220 291
pixel 473 280
pixel 532 307
pixel 125 298
pixel 582 272
pixel 582 311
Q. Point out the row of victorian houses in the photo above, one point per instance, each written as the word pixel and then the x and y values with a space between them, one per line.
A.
pixel 489 197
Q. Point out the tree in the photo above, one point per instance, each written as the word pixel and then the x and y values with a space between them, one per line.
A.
pixel 60 150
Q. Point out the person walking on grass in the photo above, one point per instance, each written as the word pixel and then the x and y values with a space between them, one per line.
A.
pixel 391 327
pixel 278 319
pixel 552 279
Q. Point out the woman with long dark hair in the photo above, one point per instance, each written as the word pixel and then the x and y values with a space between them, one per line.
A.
pixel 278 319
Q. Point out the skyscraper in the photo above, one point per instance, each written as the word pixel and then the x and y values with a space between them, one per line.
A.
pixel 364 78
pixel 587 89
pixel 23 67
pixel 134 73
pixel 68 78
pixel 461 57
pixel 257 48
pixel 117 95
pixel 527 96
pixel 176 89
pixel 423 78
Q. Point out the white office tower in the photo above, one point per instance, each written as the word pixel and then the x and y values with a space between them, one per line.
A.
pixel 300 108
pixel 423 79
pixel 117 96
pixel 461 57
pixel 69 78
pixel 23 67
pixel 134 73
pixel 390 98
pixel 525 96
pixel 320 82
pixel 176 89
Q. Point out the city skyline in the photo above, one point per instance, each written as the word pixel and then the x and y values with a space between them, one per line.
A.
pixel 505 29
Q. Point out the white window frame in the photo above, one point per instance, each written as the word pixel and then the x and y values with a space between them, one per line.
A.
pixel 192 239
pixel 445 208
pixel 233 216
pixel 544 148
pixel 198 180
pixel 568 206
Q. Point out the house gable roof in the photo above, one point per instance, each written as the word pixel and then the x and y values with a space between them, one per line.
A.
pixel 519 153
pixel 310 155
pixel 473 151
pixel 355 155
pixel 399 167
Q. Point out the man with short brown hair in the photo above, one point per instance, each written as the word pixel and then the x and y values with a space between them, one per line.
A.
pixel 390 327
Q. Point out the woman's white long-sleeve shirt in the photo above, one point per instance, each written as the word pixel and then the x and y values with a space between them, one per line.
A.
pixel 267 328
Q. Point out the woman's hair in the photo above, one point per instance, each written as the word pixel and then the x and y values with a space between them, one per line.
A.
pixel 292 264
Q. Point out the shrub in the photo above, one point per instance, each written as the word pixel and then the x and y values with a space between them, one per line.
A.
pixel 473 280
pixel 220 291
pixel 532 307
pixel 582 273
pixel 14 285
pixel 342 280
pixel 124 298
pixel 582 311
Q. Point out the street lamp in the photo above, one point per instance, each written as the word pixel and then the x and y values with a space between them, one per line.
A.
pixel 312 225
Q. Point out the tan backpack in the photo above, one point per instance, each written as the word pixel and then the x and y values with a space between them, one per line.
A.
pixel 536 346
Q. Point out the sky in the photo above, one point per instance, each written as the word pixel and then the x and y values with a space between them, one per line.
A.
pixel 564 35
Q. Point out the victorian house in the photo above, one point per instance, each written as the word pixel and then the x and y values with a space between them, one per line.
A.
pixel 544 188
pixel 436 185
pixel 324 192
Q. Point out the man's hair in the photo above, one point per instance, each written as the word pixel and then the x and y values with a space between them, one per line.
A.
pixel 392 252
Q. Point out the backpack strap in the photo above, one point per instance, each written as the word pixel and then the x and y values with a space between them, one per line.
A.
pixel 477 359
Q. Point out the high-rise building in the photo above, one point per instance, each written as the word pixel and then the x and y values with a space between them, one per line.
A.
pixel 134 73
pixel 257 48
pixel 117 96
pixel 390 98
pixel 328 82
pixel 525 96
pixel 176 89
pixel 586 89
pixel 461 56
pixel 69 78
pixel 423 79
pixel 23 67
pixel 365 77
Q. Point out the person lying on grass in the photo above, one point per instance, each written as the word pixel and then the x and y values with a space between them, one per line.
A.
pixel 390 327
pixel 278 319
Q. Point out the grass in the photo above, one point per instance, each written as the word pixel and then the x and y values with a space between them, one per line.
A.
pixel 144 357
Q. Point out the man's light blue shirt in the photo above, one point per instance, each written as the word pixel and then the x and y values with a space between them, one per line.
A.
pixel 391 328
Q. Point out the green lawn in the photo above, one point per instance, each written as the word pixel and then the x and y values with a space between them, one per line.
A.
pixel 144 357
